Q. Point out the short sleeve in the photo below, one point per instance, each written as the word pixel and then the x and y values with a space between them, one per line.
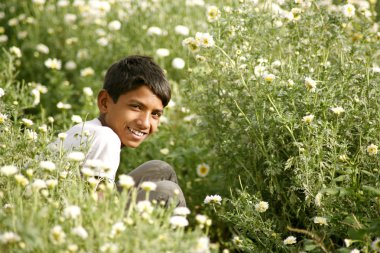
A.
pixel 105 146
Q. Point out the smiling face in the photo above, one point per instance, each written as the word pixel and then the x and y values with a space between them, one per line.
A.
pixel 134 116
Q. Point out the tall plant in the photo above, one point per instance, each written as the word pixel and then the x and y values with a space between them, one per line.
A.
pixel 288 96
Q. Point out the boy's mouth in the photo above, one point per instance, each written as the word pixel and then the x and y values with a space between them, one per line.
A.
pixel 136 132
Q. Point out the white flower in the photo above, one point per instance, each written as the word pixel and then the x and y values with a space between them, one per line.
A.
pixel 203 169
pixel 202 245
pixel 178 221
pixel 42 48
pixel 114 25
pixel 144 206
pixel 38 184
pixel 71 212
pixel 213 199
pixel 31 135
pixel 320 220
pixel 94 163
pixel 43 128
pixel 205 39
pixel 53 63
pixel 375 245
pixel 372 149
pixel 276 64
pixel 178 63
pixel 355 251
pixel 80 232
pixel 109 248
pixel 27 122
pixel 200 58
pixel 70 18
pixel 3 38
pixel 117 229
pixel 318 199
pixel 87 172
pixel 87 72
pixel 40 2
pixel 310 84
pixel 88 91
pixel 262 206
pixel 162 52
pixel 3 117
pixel 181 30
pixel 9 238
pixel 236 240
pixel 201 219
pixel 183 211
pixel 62 136
pixel 36 95
pixel 259 70
pixel 195 2
pixel 76 156
pixel 8 170
pixel 148 186
pixel 375 68
pixel 57 235
pixel 164 151
pixel 126 181
pixel 154 30
pixel 212 13
pixel 70 65
pixel 15 51
pixel 192 44
pixel 348 242
pixel 268 77
pixel 102 41
pixel 61 105
pixel 76 119
pixel 21 180
pixel 47 165
pixel 290 240
pixel 337 110
pixel 51 183
pixel 2 93
pixel 348 10
pixel 308 118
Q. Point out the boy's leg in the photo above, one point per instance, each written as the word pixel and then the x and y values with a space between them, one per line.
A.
pixel 165 178
pixel 154 170
pixel 166 191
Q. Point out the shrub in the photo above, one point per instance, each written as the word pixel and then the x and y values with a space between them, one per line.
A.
pixel 287 95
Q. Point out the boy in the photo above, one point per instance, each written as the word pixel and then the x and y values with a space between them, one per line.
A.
pixel 133 98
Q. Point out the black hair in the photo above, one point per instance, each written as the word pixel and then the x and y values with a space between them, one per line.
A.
pixel 133 72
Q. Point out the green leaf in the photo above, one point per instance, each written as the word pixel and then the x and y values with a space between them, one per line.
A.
pixel 309 245
pixel 331 191
pixel 371 189
pixel 340 178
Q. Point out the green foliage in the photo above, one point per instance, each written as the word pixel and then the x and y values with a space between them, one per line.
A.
pixel 50 208
pixel 270 92
pixel 279 98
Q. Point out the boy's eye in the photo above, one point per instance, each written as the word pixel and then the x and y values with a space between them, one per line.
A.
pixel 157 114
pixel 135 106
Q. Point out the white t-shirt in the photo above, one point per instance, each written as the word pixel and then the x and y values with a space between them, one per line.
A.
pixel 104 145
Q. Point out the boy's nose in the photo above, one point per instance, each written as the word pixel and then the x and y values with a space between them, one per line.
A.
pixel 144 121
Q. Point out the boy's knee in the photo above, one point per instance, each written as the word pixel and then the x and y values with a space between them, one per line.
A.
pixel 154 170
pixel 160 165
pixel 166 191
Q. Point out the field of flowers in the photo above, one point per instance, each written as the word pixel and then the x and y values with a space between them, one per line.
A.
pixel 273 128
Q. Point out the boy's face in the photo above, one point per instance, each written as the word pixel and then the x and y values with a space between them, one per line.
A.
pixel 134 116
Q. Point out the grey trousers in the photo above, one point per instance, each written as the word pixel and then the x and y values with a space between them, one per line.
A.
pixel 164 176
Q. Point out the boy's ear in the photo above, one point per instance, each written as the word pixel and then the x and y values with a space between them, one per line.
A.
pixel 103 97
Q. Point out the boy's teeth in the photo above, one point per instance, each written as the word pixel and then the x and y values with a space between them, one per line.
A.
pixel 136 132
